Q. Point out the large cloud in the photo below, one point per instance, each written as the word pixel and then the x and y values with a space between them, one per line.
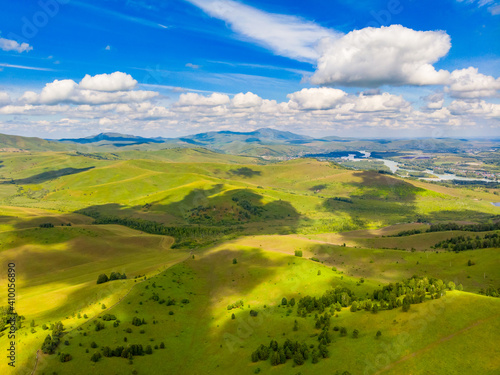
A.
pixel 12 45
pixel 316 98
pixel 468 83
pixel 247 100
pixel 100 89
pixel 116 81
pixel 392 55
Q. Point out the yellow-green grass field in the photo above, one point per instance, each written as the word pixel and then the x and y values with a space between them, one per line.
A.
pixel 201 338
pixel 57 268
pixel 271 210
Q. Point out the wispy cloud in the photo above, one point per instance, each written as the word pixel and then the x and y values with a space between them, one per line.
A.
pixel 285 35
pixel 25 67
pixel 123 16
pixel 262 66
pixel 493 6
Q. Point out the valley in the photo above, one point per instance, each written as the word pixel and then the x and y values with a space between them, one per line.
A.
pixel 212 245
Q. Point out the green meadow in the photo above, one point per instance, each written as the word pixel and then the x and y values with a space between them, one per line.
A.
pixel 245 233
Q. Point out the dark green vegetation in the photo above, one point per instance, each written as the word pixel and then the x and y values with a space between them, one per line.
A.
pixel 243 265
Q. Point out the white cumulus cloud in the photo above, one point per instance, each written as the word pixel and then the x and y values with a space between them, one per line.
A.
pixel 192 99
pixel 116 81
pixel 12 45
pixel 469 83
pixel 372 57
pixel 316 98
pixel 92 90
pixel 247 100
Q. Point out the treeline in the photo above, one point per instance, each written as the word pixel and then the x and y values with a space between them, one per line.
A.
pixel 103 278
pixel 414 291
pixel 342 199
pixel 340 297
pixel 486 227
pixel 490 292
pixel 185 236
pixel 299 353
pixel 462 243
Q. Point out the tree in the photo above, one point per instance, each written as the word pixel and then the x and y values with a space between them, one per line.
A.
pixel 233 316
pixel 451 285
pixel 95 357
pixel 355 334
pixel 298 358
pixel 284 302
pixel 149 350
pixel 162 345
pixel 375 308
pixel 354 306
pixel 378 334
pixel 292 302
pixel 296 326
pixel 102 278
pixel 235 261
pixel 343 331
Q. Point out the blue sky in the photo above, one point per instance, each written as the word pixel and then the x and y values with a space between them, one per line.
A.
pixel 393 68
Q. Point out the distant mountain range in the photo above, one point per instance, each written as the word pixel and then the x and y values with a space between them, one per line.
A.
pixel 262 142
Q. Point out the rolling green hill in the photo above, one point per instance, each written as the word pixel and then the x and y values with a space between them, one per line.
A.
pixel 197 232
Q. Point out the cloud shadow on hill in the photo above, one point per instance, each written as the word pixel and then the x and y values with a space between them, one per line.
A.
pixel 47 176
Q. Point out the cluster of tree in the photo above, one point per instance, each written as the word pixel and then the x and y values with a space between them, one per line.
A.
pixel 462 243
pixel 339 296
pixel 490 291
pixel 98 326
pixel 445 227
pixel 103 278
pixel 235 305
pixel 108 317
pixel 414 290
pixel 184 235
pixel 138 321
pixel 7 314
pixel 279 354
pixel 286 302
pixel 46 225
pixel 50 343
pixel 248 206
pixel 408 233
pixel 64 357
pixel 169 301
pixel 298 253
pixel 127 352
pixel 342 199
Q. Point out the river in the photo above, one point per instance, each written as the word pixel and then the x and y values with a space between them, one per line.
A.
pixel 394 166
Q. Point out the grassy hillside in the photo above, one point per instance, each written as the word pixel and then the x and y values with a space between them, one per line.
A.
pixel 212 230
pixel 17 143
pixel 57 269
pixel 200 337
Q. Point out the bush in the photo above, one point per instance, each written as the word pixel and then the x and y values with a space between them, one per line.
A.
pixel 253 313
